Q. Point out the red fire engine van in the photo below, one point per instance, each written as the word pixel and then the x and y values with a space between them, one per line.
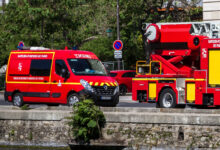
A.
pixel 58 76
pixel 183 66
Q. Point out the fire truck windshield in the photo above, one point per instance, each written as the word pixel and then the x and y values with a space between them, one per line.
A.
pixel 87 67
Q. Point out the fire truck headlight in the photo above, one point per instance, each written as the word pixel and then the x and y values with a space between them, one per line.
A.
pixel 116 89
pixel 86 85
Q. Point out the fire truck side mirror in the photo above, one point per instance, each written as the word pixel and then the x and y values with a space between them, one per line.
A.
pixel 65 73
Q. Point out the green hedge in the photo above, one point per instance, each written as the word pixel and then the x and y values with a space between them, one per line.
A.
pixel 2 82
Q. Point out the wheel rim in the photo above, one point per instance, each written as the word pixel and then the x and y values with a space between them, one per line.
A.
pixel 167 100
pixel 73 100
pixel 17 100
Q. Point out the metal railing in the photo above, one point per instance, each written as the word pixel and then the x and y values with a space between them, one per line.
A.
pixel 112 65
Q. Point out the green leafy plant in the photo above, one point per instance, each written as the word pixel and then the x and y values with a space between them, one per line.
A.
pixel 87 121
pixel 25 107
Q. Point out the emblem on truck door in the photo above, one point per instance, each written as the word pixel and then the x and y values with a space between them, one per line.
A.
pixel 59 84
pixel 204 53
pixel 20 66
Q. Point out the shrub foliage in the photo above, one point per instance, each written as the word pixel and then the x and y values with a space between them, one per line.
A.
pixel 87 121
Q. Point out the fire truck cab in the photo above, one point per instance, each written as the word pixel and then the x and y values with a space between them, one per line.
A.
pixel 58 76
pixel 183 67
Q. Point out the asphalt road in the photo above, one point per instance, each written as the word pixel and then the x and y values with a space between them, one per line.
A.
pixel 124 101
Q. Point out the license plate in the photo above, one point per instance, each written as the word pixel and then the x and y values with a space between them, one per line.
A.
pixel 105 98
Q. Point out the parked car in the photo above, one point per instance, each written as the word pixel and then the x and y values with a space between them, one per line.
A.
pixel 124 79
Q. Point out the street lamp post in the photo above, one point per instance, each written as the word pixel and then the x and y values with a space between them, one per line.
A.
pixel 3 2
pixel 118 30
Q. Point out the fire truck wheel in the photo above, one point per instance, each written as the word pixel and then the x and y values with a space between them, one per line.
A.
pixel 167 99
pixel 123 90
pixel 72 99
pixel 17 99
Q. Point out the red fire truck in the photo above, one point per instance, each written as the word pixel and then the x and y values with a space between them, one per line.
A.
pixel 183 67
pixel 40 75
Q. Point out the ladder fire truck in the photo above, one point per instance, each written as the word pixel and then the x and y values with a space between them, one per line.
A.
pixel 184 65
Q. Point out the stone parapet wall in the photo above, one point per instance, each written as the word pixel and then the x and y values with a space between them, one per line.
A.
pixel 180 128
pixel 57 133
pixel 163 135
pixel 37 133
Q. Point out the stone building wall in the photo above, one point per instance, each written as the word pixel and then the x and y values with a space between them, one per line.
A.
pixel 211 10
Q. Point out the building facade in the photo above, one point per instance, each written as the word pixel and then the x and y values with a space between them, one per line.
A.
pixel 211 10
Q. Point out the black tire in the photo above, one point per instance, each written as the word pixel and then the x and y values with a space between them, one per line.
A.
pixel 167 98
pixel 123 90
pixel 73 99
pixel 17 99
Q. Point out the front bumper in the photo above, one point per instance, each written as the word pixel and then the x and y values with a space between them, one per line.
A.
pixel 98 97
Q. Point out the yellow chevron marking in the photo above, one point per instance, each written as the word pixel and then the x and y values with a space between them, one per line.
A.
pixel 96 84
pixel 91 83
pixel 102 84
pixel 107 84
pixel 112 84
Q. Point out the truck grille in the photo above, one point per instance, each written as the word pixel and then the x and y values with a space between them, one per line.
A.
pixel 101 91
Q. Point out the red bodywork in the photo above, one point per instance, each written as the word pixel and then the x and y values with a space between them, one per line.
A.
pixel 50 88
pixel 124 77
pixel 185 68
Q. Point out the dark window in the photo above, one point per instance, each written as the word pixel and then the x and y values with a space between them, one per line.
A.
pixel 40 67
pixel 129 74
pixel 113 74
pixel 59 65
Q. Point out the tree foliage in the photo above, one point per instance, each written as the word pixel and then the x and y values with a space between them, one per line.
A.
pixel 51 23
pixel 102 47
pixel 87 121
pixel 83 23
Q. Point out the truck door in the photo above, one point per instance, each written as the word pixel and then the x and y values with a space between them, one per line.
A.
pixel 59 87
pixel 39 81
